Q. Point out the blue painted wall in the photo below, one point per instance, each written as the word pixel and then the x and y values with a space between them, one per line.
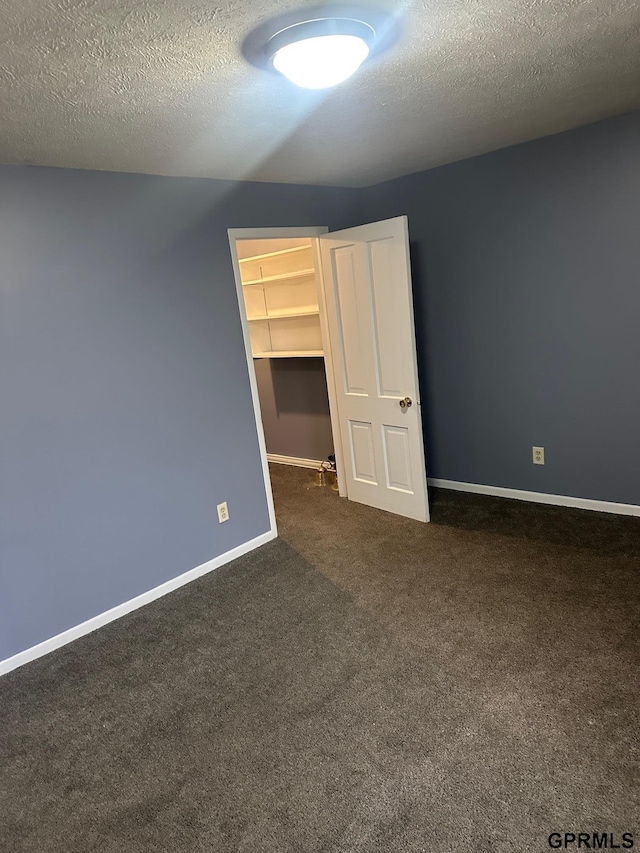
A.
pixel 294 403
pixel 526 271
pixel 125 413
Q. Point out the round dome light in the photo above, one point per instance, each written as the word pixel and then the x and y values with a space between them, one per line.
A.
pixel 321 61
pixel 319 47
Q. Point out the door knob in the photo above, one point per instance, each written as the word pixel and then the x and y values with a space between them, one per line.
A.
pixel 406 403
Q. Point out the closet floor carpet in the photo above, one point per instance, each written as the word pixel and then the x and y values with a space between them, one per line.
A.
pixel 363 683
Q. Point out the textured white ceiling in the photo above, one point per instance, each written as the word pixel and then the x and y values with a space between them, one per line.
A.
pixel 160 86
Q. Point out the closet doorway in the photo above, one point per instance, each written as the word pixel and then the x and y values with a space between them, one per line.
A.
pixel 328 326
pixel 284 321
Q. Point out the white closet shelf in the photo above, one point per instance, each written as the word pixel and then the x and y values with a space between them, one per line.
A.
pixel 273 254
pixel 285 315
pixel 310 353
pixel 272 279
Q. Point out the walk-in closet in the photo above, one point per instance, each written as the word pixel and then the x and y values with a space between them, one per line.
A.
pixel 281 297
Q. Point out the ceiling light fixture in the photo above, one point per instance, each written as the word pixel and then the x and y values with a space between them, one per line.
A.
pixel 322 53
pixel 319 48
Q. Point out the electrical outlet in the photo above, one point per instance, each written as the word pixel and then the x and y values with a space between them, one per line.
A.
pixel 223 512
pixel 538 455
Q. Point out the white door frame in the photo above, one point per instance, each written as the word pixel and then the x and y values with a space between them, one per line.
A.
pixel 312 232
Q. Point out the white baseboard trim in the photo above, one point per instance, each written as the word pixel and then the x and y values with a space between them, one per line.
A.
pixel 133 604
pixel 537 497
pixel 294 460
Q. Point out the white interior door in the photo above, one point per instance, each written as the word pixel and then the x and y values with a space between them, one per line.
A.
pixel 370 316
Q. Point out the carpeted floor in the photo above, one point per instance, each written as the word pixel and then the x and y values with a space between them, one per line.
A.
pixel 364 683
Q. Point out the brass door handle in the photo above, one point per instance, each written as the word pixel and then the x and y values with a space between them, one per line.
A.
pixel 406 403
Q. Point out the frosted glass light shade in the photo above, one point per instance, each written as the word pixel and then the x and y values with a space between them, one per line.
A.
pixel 322 61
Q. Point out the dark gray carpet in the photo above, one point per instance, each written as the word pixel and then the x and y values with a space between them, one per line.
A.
pixel 365 683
